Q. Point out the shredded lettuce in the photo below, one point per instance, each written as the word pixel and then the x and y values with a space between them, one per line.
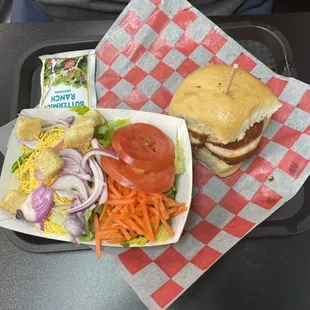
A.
pixel 80 110
pixel 104 132
pixel 179 159
pixel 171 192
pixel 89 226
pixel 54 223
pixel 162 234
pixel 98 209
pixel 140 241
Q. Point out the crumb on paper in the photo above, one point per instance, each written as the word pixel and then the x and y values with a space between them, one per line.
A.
pixel 271 179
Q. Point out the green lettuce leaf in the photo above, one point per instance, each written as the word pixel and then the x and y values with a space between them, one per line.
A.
pixel 89 226
pixel 140 241
pixel 80 110
pixel 104 132
pixel 179 159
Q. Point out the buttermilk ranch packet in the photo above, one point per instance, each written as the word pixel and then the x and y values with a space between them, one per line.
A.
pixel 68 80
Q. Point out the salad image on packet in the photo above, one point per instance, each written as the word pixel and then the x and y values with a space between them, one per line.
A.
pixel 67 80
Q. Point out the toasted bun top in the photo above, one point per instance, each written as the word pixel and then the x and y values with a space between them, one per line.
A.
pixel 201 101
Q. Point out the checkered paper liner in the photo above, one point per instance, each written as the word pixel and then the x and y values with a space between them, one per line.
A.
pixel 142 59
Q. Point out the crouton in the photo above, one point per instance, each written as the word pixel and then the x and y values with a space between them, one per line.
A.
pixel 29 128
pixel 48 162
pixel 96 114
pixel 79 136
pixel 92 118
pixel 13 200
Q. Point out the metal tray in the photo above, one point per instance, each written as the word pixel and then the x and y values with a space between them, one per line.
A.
pixel 263 41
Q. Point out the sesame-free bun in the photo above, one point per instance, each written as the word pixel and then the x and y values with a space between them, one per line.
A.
pixel 224 118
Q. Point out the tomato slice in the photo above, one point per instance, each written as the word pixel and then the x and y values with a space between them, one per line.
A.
pixel 147 181
pixel 143 146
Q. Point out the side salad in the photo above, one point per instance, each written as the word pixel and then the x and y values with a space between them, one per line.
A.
pixel 96 179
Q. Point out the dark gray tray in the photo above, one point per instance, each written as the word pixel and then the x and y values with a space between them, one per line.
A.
pixel 264 42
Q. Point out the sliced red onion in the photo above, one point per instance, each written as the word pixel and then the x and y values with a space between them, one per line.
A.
pixel 62 123
pixel 37 205
pixel 47 128
pixel 77 202
pixel 82 176
pixel 75 226
pixel 97 171
pixel 70 152
pixel 70 194
pixel 42 226
pixel 46 123
pixel 72 164
pixel 70 120
pixel 98 187
pixel 39 176
pixel 22 114
pixel 31 144
pixel 89 190
pixel 104 195
pixel 70 182
pixel 100 152
pixel 95 144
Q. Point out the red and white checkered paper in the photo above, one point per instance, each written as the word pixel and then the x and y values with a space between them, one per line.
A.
pixel 149 50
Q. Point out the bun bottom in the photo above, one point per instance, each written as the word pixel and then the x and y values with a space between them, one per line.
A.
pixel 217 166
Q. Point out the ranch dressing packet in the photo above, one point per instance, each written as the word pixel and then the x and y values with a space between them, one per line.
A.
pixel 68 80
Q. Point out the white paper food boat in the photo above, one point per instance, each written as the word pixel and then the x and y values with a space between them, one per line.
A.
pixel 170 125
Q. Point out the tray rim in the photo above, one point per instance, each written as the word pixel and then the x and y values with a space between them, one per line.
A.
pixel 64 246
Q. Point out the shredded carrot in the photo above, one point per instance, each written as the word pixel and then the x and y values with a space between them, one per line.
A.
pixel 122 224
pixel 103 212
pixel 97 236
pixel 133 234
pixel 172 210
pixel 128 214
pixel 131 195
pixel 164 197
pixel 179 211
pixel 156 224
pixel 163 209
pixel 170 203
pixel 131 208
pixel 153 210
pixel 112 196
pixel 124 209
pixel 134 226
pixel 113 189
pixel 147 220
pixel 168 228
pixel 119 202
pixel 119 188
pixel 125 233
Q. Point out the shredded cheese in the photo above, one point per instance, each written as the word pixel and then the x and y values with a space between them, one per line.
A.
pixel 51 227
pixel 25 172
pixel 28 182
